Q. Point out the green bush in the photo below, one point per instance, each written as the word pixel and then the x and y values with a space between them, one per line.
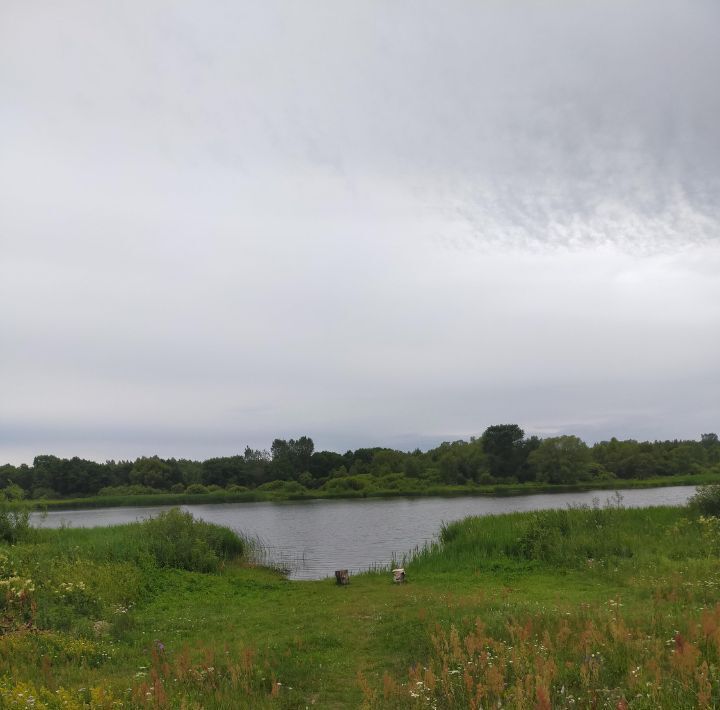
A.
pixel 394 482
pixel 706 500
pixel 12 492
pixel 543 537
pixel 348 483
pixel 196 488
pixel 133 489
pixel 176 539
pixel 14 522
pixel 283 486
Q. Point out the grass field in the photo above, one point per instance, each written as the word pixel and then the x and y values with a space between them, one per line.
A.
pixel 573 608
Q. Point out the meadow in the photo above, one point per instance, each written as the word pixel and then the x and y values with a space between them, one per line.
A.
pixel 584 607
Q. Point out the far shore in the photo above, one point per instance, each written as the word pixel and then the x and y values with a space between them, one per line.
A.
pixel 257 496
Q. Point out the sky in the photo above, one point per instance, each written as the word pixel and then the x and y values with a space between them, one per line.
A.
pixel 374 223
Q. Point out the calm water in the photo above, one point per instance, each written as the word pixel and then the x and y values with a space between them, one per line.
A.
pixel 314 538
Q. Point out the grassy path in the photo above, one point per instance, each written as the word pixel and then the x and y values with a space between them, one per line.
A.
pixel 320 636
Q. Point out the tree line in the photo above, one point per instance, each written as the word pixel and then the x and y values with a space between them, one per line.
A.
pixel 502 454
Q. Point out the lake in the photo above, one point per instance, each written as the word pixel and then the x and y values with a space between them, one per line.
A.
pixel 313 538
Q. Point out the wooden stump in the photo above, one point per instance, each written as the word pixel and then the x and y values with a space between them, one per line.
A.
pixel 342 576
pixel 398 575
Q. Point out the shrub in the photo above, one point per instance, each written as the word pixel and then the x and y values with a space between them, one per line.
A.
pixel 706 500
pixel 43 492
pixel 12 492
pixel 196 488
pixel 283 486
pixel 14 522
pixel 272 486
pixel 599 472
pixel 543 538
pixel 306 479
pixel 134 489
pixel 176 539
pixel 349 483
pixel 394 482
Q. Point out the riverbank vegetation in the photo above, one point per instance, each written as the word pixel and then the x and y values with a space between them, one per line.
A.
pixel 501 461
pixel 584 607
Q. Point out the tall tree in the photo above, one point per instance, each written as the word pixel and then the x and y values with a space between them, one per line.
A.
pixel 561 459
pixel 502 444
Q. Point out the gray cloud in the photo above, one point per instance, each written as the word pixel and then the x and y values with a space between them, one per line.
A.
pixel 392 223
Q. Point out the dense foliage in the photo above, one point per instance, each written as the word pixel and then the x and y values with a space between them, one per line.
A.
pixel 503 454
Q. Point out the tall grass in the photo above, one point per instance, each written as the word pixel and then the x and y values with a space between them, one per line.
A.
pixel 173 539
pixel 597 659
pixel 662 652
pixel 570 538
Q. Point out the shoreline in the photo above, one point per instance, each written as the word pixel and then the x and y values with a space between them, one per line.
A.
pixel 490 491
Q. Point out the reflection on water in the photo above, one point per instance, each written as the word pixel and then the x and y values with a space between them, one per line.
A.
pixel 313 538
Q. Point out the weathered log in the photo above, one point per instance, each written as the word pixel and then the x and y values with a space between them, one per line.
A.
pixel 342 576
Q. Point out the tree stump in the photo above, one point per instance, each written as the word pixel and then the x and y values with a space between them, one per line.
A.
pixel 398 575
pixel 342 576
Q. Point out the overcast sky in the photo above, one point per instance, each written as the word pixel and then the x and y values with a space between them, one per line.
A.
pixel 375 223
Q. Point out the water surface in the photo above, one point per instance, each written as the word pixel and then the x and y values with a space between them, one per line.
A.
pixel 313 538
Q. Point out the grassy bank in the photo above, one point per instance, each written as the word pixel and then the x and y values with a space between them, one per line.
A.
pixel 296 492
pixel 572 608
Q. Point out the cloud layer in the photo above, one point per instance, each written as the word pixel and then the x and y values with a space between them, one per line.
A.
pixel 386 223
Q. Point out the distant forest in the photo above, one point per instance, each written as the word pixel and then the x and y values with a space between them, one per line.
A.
pixel 503 454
